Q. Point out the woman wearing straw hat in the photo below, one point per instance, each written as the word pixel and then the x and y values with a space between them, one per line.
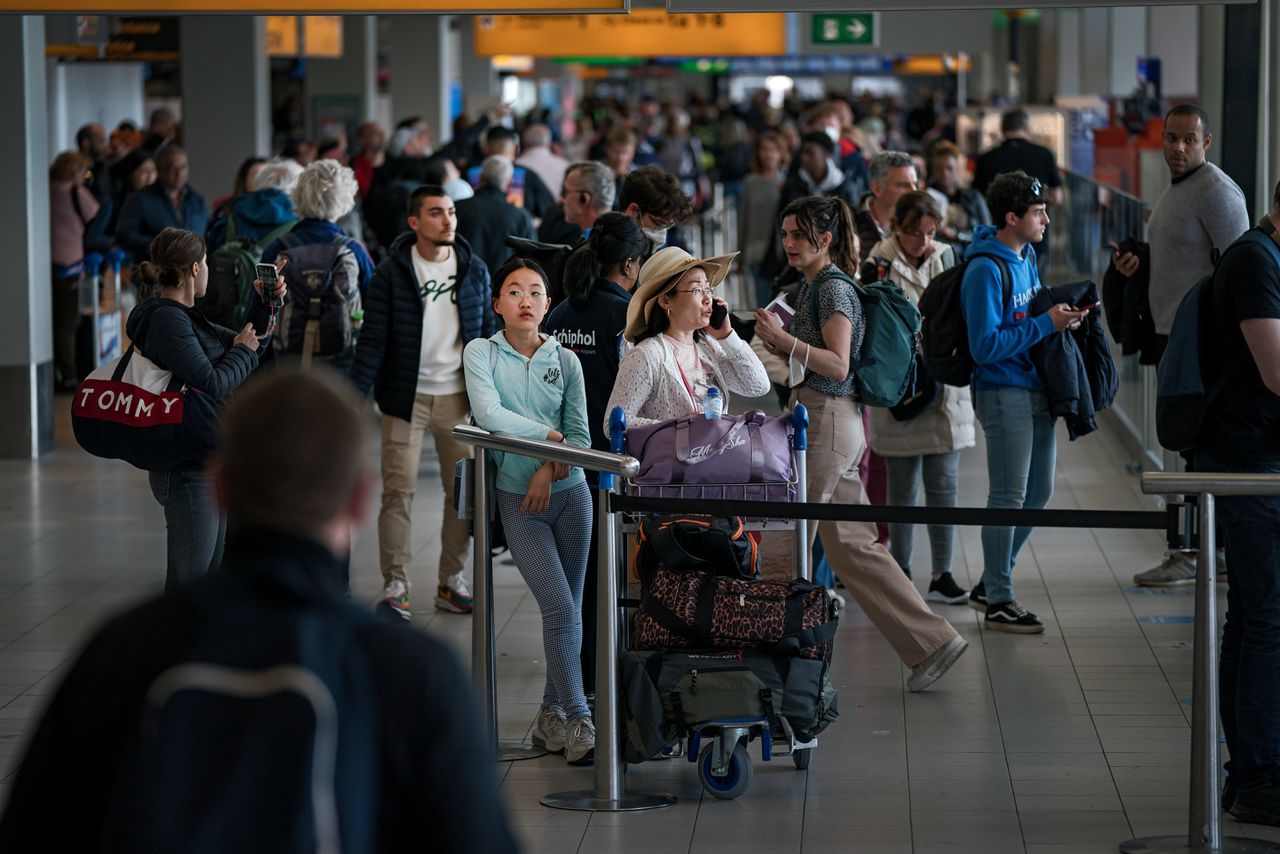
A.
pixel 819 239
pixel 678 354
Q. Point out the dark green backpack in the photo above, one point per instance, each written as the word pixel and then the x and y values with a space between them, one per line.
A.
pixel 885 367
pixel 231 275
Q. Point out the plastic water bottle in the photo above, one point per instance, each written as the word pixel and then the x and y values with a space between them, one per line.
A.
pixel 712 404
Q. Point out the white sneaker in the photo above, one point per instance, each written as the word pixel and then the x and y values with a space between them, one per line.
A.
pixel 550 729
pixel 580 744
pixel 396 597
pixel 1178 569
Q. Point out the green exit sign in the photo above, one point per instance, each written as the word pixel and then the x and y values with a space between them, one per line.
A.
pixel 855 29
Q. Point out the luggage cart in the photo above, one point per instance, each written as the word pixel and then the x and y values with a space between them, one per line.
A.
pixel 724 763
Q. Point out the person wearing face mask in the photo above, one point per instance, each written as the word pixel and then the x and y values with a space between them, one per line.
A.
pixel 520 384
pixel 170 331
pixel 598 282
pixel 678 354
pixel 828 328
pixel 921 442
pixel 654 199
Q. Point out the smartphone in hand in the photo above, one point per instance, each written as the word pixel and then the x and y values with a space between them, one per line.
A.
pixel 270 277
pixel 718 313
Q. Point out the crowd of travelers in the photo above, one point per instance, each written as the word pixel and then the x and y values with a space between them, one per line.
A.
pixel 531 284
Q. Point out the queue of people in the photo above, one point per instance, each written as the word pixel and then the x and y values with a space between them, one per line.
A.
pixel 453 331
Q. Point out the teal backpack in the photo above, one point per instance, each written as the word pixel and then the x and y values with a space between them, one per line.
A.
pixel 885 367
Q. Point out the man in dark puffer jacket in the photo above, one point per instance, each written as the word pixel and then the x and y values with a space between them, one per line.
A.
pixel 425 302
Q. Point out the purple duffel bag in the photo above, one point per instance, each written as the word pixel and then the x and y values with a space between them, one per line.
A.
pixel 739 450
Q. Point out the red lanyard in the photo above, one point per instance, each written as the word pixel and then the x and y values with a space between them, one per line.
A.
pixel 688 388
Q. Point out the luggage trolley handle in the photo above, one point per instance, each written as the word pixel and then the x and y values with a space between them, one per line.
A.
pixel 800 445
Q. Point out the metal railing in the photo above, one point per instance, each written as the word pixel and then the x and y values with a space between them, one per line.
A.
pixel 608 793
pixel 1204 818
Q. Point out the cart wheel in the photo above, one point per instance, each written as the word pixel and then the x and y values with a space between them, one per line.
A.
pixel 737 776
pixel 801 758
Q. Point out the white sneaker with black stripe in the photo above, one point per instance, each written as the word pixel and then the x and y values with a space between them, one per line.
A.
pixel 1012 617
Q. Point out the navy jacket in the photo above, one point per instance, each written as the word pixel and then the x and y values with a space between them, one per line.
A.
pixel 594 332
pixel 1078 371
pixel 198 351
pixel 390 345
pixel 487 219
pixel 430 755
pixel 149 211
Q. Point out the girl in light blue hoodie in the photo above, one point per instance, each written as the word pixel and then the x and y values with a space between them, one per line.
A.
pixel 521 384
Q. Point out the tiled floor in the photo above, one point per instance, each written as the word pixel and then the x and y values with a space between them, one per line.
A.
pixel 1067 742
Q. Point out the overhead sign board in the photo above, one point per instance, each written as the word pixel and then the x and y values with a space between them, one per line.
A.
pixel 313 7
pixel 643 33
pixel 857 29
pixel 694 6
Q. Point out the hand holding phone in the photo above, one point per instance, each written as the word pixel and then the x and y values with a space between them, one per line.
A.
pixel 270 278
pixel 1089 306
pixel 719 311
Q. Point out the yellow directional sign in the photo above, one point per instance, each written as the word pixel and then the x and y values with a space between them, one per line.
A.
pixel 643 33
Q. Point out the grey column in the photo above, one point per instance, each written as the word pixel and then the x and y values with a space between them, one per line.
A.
pixel 420 63
pixel 353 75
pixel 226 97
pixel 479 82
pixel 26 334
pixel 1212 42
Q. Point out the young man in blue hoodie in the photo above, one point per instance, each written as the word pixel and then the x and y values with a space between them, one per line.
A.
pixel 1008 394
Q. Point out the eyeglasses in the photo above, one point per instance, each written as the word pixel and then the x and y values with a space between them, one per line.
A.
pixel 658 224
pixel 700 293
pixel 518 294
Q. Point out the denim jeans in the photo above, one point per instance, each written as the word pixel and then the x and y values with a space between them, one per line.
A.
pixel 1249 675
pixel 1021 456
pixel 940 474
pixel 196 527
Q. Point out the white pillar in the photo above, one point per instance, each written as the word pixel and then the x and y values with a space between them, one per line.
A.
pixel 226 97
pixel 26 334
pixel 420 64
pixel 1069 52
pixel 1128 41
pixel 479 82
pixel 353 75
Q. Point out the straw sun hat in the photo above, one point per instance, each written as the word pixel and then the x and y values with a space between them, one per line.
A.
pixel 658 275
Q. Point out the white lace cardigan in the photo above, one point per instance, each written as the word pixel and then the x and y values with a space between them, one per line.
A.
pixel 649 387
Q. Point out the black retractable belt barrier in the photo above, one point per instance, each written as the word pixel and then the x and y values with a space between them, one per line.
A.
pixel 1170 520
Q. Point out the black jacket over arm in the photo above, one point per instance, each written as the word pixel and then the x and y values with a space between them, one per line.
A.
pixel 1079 374
pixel 1128 308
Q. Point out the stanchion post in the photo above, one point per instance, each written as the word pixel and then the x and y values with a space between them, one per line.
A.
pixel 1204 817
pixel 483 662
pixel 482 636
pixel 608 793
pixel 1204 822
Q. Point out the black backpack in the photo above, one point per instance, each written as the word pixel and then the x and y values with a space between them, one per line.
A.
pixel 231 274
pixel 261 738
pixel 694 543
pixel 944 334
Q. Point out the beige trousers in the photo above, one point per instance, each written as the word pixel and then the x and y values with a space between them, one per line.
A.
pixel 401 454
pixel 885 594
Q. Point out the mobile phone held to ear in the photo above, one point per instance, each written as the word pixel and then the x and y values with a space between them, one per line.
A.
pixel 718 313
pixel 269 277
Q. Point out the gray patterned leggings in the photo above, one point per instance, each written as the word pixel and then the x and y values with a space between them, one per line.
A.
pixel 550 550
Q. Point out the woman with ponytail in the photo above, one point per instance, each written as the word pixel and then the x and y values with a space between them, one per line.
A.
pixel 598 280
pixel 169 330
pixel 819 240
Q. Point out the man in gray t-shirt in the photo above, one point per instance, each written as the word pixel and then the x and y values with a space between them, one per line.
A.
pixel 1200 215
